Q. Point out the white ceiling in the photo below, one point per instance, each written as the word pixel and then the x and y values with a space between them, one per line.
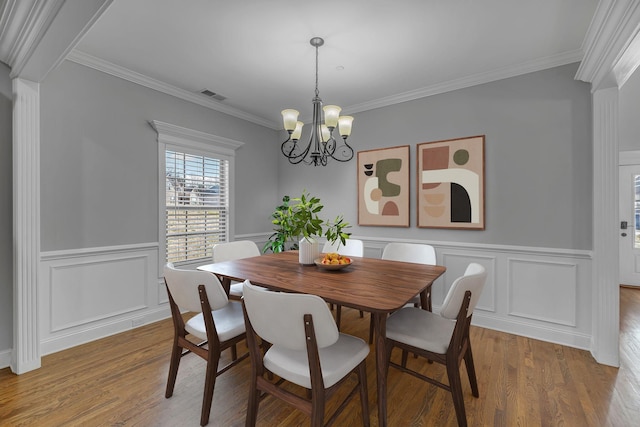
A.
pixel 376 52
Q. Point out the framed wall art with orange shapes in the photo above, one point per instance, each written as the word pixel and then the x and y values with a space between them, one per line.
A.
pixel 450 184
pixel 383 187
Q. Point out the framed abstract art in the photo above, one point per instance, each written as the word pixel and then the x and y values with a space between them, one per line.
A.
pixel 450 184
pixel 383 187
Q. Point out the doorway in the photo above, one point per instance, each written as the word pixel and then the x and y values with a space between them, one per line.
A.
pixel 629 232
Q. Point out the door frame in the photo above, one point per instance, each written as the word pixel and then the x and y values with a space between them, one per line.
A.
pixel 626 158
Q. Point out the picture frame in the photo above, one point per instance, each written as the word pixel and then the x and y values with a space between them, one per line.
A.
pixel 383 187
pixel 450 183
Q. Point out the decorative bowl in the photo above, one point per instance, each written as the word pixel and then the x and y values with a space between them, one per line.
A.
pixel 318 262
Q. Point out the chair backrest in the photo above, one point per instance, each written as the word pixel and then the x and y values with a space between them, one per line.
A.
pixel 183 285
pixel 473 280
pixel 353 247
pixel 410 252
pixel 277 317
pixel 235 250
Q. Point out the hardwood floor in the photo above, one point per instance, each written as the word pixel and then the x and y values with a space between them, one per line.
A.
pixel 120 381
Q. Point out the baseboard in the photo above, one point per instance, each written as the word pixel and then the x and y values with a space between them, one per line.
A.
pixel 5 359
pixel 104 329
pixel 527 329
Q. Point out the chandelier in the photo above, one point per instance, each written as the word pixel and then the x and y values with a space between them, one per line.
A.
pixel 322 145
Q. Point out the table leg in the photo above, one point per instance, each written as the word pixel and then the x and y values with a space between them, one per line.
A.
pixel 425 299
pixel 380 326
pixel 226 284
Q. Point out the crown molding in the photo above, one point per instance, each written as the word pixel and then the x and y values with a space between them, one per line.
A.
pixel 23 24
pixel 611 45
pixel 137 78
pixel 490 76
pixel 477 79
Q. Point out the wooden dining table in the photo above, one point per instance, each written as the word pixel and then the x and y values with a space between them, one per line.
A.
pixel 373 285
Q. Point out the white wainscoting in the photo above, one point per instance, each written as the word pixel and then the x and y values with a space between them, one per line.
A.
pixel 88 294
pixel 540 293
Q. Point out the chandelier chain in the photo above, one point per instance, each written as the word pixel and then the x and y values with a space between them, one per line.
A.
pixel 317 91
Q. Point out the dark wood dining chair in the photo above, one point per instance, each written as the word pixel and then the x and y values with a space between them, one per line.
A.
pixel 442 338
pixel 219 325
pixel 306 349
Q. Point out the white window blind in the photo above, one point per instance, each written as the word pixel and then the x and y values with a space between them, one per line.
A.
pixel 197 205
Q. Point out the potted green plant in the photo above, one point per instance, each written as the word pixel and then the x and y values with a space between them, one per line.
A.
pixel 299 224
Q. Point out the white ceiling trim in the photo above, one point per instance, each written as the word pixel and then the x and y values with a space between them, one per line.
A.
pixel 612 47
pixel 24 24
pixel 137 78
pixel 490 76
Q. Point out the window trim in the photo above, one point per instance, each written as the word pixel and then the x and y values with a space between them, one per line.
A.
pixel 183 139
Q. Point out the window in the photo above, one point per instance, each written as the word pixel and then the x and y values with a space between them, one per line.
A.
pixel 195 193
pixel 196 205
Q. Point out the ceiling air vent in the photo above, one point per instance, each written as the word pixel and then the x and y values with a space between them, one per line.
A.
pixel 210 94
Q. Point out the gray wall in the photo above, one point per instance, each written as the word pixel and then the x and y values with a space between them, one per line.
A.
pixel 538 159
pixel 6 210
pixel 100 160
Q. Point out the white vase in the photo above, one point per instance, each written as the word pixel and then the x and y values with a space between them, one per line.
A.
pixel 309 250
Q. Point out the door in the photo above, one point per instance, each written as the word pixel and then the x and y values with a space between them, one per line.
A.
pixel 629 187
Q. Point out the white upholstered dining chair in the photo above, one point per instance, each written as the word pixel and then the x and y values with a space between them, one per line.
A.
pixel 305 349
pixel 229 251
pixel 442 338
pixel 219 325
pixel 417 253
pixel 352 247
pixel 411 252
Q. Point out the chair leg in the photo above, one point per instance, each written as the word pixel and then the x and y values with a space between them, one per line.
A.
pixel 234 352
pixel 254 401
pixel 371 329
pixel 338 315
pixel 209 385
pixel 471 370
pixel 176 356
pixel 317 407
pixel 361 314
pixel 364 397
pixel 453 373
pixel 387 357
pixel 405 353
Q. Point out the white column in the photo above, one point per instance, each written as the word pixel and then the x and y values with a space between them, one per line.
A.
pixel 26 225
pixel 605 286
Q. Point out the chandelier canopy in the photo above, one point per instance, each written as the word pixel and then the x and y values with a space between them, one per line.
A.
pixel 322 145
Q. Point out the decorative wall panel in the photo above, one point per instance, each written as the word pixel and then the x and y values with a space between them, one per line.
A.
pixel 91 291
pixel 543 290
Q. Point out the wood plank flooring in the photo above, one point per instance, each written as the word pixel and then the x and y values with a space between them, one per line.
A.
pixel 120 381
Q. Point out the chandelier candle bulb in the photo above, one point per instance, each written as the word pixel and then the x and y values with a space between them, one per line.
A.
pixel 290 117
pixel 331 113
pixel 326 133
pixel 297 132
pixel 344 124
